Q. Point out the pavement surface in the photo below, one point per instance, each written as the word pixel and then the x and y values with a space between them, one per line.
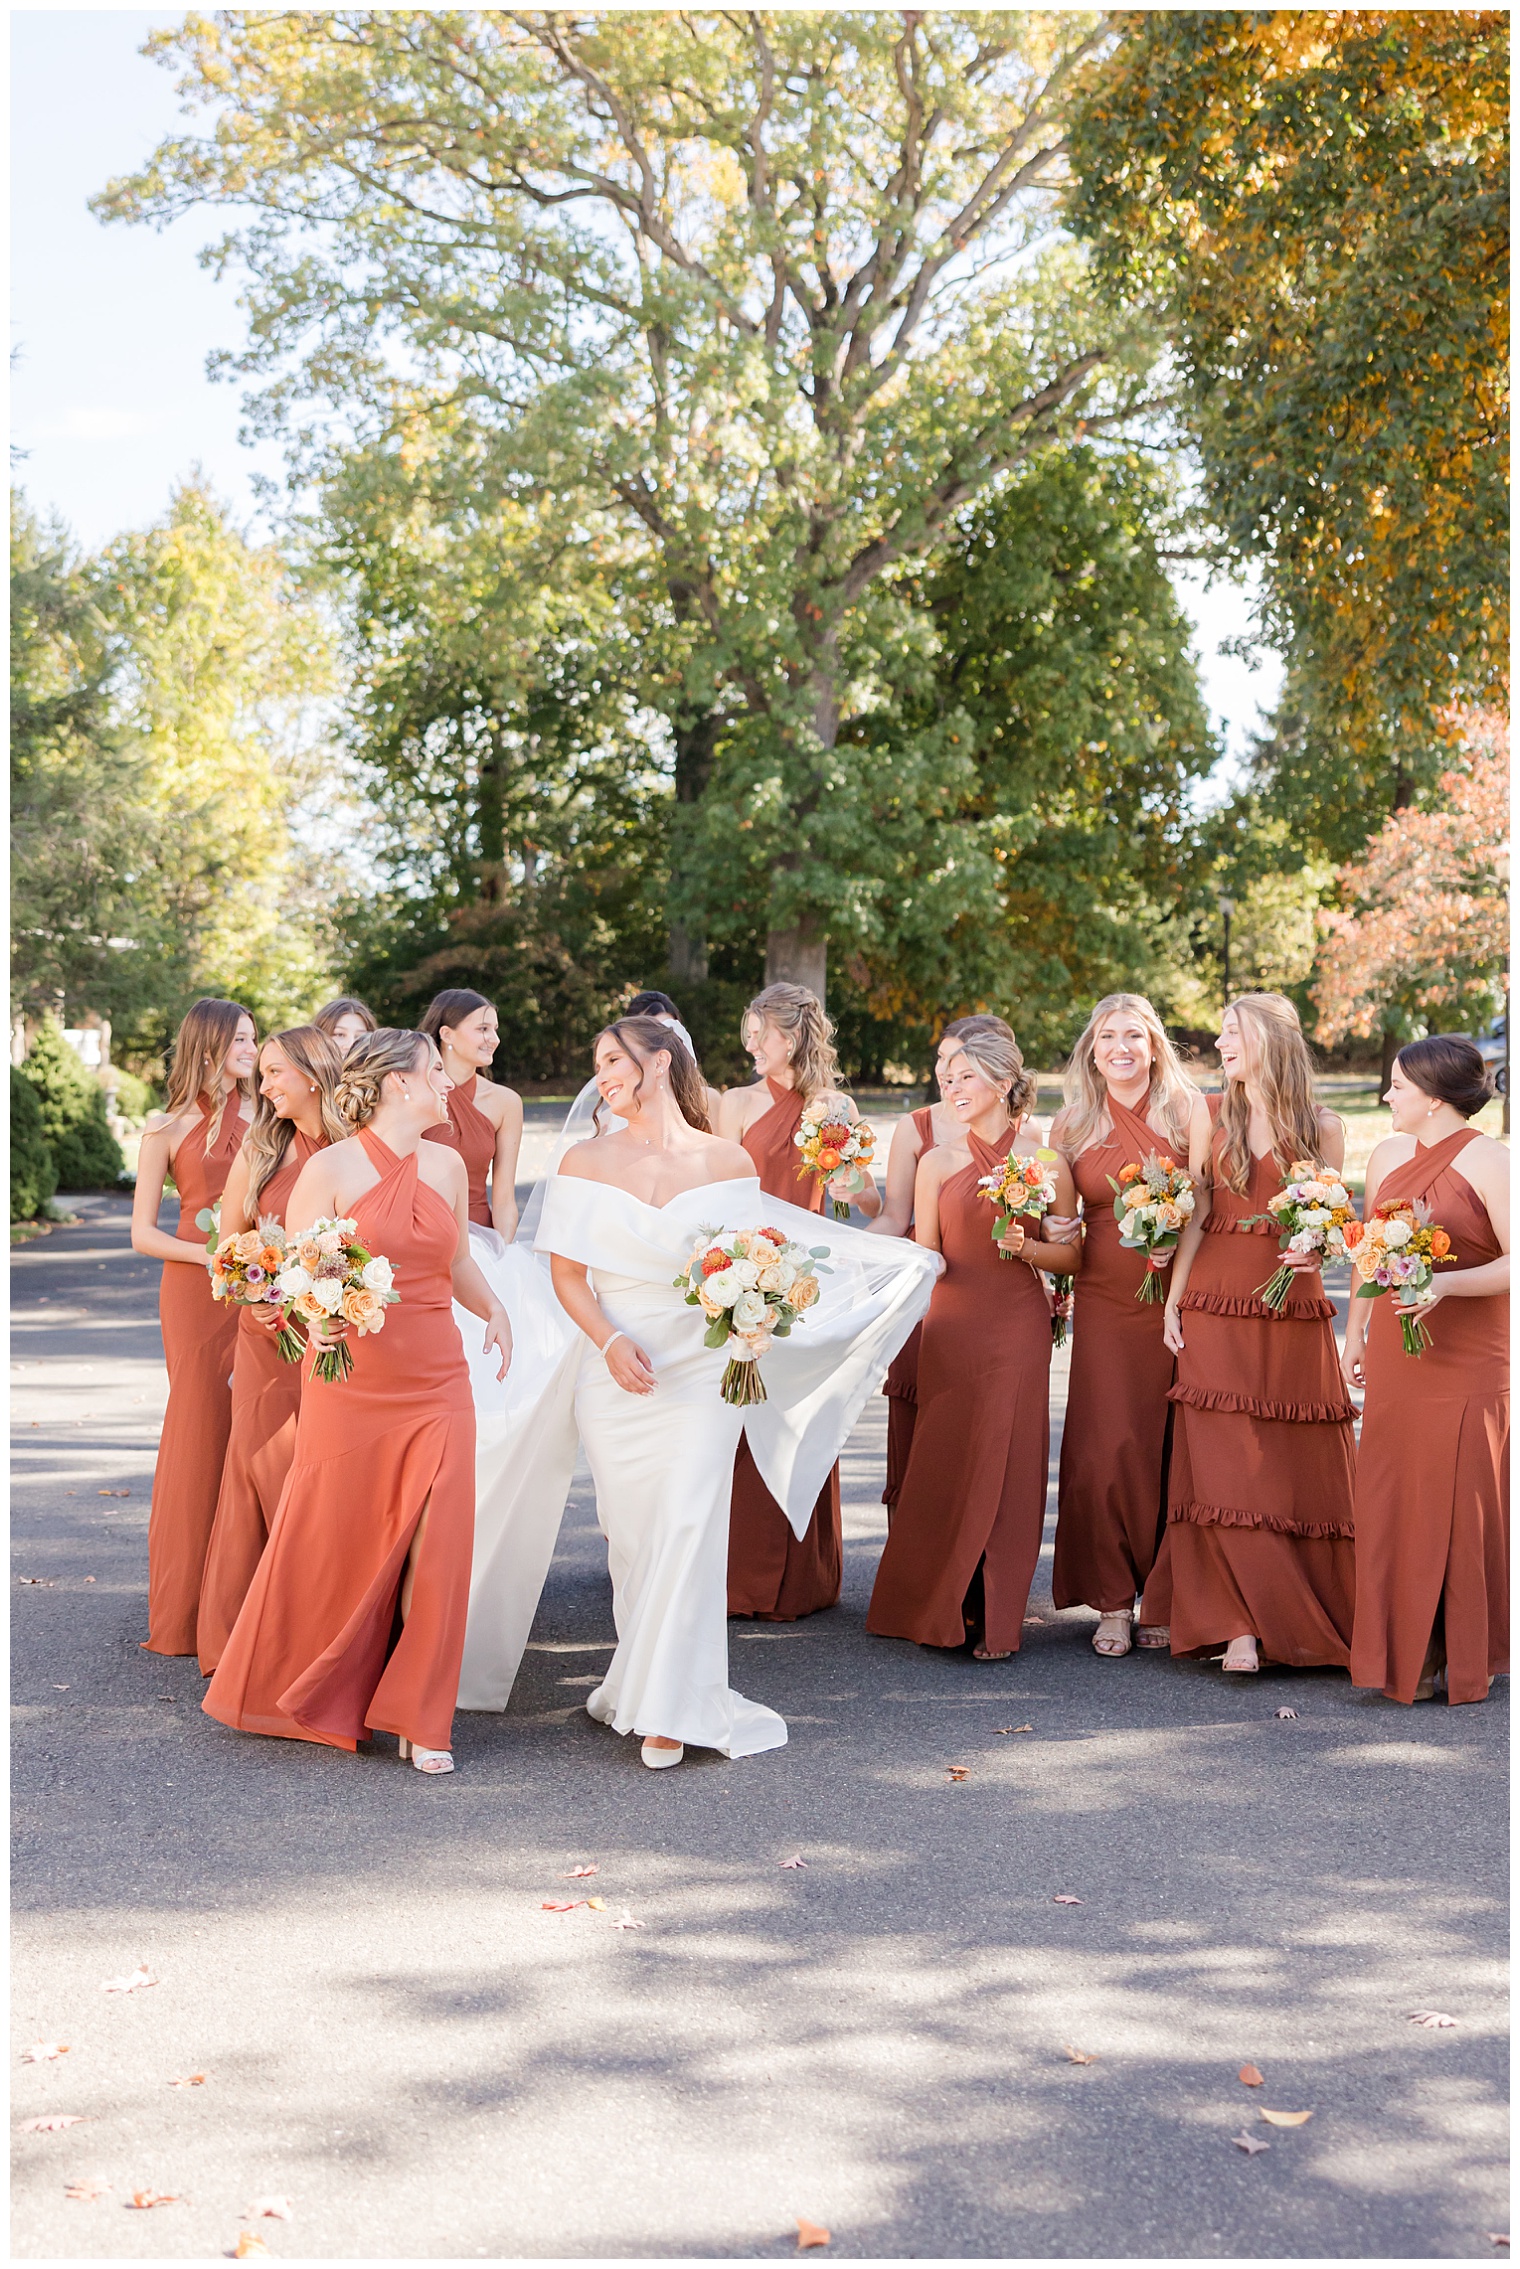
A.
pixel 401 2043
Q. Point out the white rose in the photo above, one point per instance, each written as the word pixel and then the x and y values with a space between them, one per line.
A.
pixel 770 1280
pixel 724 1286
pixel 1397 1233
pixel 749 1311
pixel 377 1275
pixel 292 1282
pixel 786 1274
pixel 745 1272
pixel 1304 1242
pixel 328 1294
pixel 1316 1213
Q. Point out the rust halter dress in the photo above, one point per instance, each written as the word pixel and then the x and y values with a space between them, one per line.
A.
pixel 901 1389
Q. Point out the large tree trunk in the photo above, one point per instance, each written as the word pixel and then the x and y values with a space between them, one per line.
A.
pixel 1391 1046
pixel 798 957
pixel 696 739
pixel 687 955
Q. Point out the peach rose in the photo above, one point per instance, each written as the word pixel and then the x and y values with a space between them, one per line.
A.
pixel 803 1293
pixel 364 1310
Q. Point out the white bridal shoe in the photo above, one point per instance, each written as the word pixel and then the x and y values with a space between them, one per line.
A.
pixel 658 1759
pixel 426 1760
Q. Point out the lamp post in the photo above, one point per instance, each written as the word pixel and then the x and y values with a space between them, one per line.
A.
pixel 1226 909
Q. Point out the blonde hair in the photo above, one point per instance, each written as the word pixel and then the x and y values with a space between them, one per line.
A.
pixel 997 1056
pixel 268 1140
pixel 1171 1092
pixel 1283 1076
pixel 798 1015
pixel 199 1063
pixel 367 1066
pixel 981 1022
pixel 331 1014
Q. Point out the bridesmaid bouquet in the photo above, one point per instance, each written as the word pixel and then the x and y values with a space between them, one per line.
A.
pixel 329 1276
pixel 752 1285
pixel 835 1148
pixel 1061 1304
pixel 1021 1189
pixel 1398 1249
pixel 1310 1213
pixel 245 1270
pixel 1154 1204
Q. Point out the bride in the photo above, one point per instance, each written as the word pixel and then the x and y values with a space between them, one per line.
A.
pixel 640 1390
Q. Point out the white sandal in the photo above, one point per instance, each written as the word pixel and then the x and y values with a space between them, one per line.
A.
pixel 1112 1642
pixel 426 1760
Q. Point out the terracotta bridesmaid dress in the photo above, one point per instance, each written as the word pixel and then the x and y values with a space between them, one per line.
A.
pixel 1117 1435
pixel 1259 1520
pixel 771 1573
pixel 200 1336
pixel 318 1652
pixel 901 1389
pixel 266 1402
pixel 471 1133
pixel 1432 1481
pixel 965 1537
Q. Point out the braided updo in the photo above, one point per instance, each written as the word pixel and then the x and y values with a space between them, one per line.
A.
pixel 369 1062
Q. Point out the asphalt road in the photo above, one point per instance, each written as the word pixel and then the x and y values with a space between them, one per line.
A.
pixel 402 2042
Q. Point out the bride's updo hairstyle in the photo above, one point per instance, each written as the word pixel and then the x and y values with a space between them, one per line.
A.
pixel 997 1057
pixel 644 1037
pixel 369 1063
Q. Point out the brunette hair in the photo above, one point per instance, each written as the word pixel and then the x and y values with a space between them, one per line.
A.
pixel 798 1015
pixel 369 1063
pixel 1284 1078
pixel 200 1054
pixel 331 1014
pixel 319 1059
pixel 450 1008
pixel 1449 1069
pixel 997 1057
pixel 652 1004
pixel 1171 1091
pixel 643 1037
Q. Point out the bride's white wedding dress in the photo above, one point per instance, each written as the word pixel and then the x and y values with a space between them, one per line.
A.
pixel 663 1463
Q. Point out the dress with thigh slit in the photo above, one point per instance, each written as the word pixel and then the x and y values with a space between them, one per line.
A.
pixel 318 1652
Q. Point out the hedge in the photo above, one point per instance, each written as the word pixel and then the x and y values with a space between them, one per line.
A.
pixel 73 1109
pixel 34 1177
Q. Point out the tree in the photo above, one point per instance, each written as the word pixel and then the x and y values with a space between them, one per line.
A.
pixel 776 296
pixel 1317 203
pixel 1422 937
pixel 72 1107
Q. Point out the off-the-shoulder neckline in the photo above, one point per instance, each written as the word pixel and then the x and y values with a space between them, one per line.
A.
pixel 724 1182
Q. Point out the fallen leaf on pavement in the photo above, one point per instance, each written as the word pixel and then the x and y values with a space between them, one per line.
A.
pixel 1013 1729
pixel 141 1976
pixel 1079 2055
pixel 249 2246
pixel 627 1922
pixel 143 2199
pixel 599 1906
pixel 1249 2077
pixel 57 1689
pixel 113 1492
pixel 87 2193
pixel 796 1860
pixel 191 2080
pixel 44 1581
pixel 1434 2020
pixel 51 2121
pixel 1285 1713
pixel 810 2233
pixel 576 1872
pixel 44 2052
pixel 957 1772
pixel 271 2209
pixel 1066 1899
pixel 561 1906
pixel 1286 2118
pixel 1249 2145
pixel 1498 2237
pixel 89 1579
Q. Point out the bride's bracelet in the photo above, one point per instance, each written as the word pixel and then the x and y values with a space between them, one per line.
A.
pixel 606 1343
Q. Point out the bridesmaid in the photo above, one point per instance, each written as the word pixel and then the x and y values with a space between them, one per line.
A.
pixel 344 1021
pixel 1432 1480
pixel 965 1538
pixel 912 1137
pixel 1127 1097
pixel 485 1122
pixel 194 1140
pixel 296 1117
pixel 377 1516
pixel 770 1574
pixel 1259 1557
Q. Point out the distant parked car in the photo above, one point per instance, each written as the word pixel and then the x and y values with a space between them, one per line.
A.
pixel 1493 1047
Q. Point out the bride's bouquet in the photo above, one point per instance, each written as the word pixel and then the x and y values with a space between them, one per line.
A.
pixel 752 1285
pixel 1310 1213
pixel 245 1270
pixel 835 1148
pixel 1398 1249
pixel 1022 1189
pixel 329 1276
pixel 1154 1204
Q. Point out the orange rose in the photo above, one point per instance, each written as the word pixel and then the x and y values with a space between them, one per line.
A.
pixel 828 1160
pixel 270 1260
pixel 1129 1173
pixel 1440 1244
pixel 1352 1235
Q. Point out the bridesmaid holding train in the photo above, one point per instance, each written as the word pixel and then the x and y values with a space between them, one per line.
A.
pixel 295 1118
pixel 1432 1480
pixel 770 1574
pixel 1127 1097
pixel 194 1140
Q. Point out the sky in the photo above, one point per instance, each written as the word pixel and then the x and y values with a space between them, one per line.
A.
pixel 111 326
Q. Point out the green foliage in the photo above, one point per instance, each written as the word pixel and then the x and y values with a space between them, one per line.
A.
pixel 1316 203
pixel 34 1177
pixel 133 1097
pixel 72 1108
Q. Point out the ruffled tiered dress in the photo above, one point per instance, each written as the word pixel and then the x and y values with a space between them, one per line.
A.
pixel 1432 1483
pixel 1260 1517
pixel 901 1389
pixel 200 1337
